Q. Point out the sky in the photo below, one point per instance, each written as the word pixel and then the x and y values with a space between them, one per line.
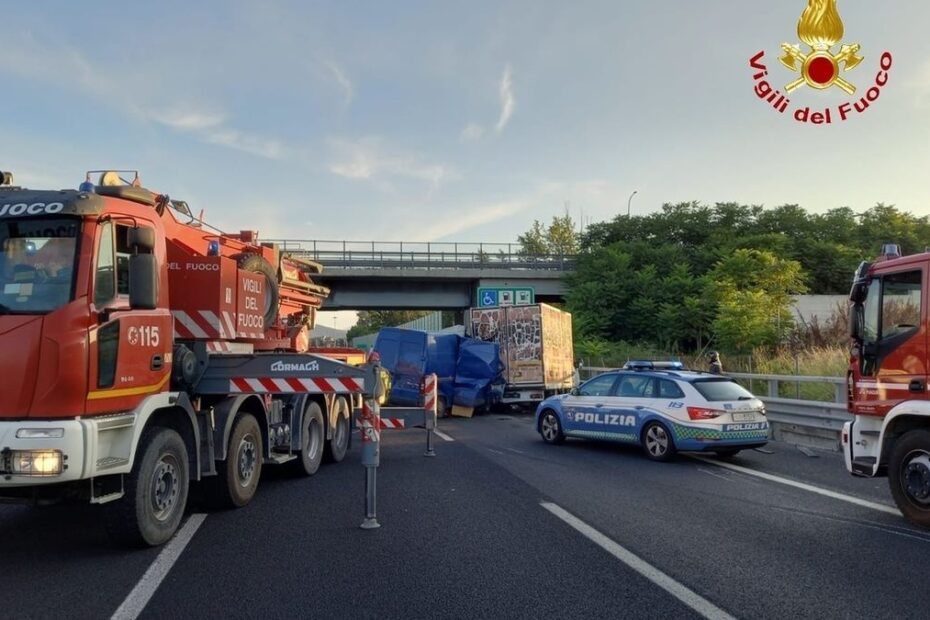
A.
pixel 455 121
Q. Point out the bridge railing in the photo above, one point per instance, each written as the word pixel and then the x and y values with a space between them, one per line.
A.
pixel 806 422
pixel 423 255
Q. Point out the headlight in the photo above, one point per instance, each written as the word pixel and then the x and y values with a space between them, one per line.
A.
pixel 40 433
pixel 36 462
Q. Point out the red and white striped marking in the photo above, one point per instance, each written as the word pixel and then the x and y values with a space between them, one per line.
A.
pixel 368 423
pixel 429 392
pixel 293 385
pixel 204 324
pixel 392 423
pixel 223 346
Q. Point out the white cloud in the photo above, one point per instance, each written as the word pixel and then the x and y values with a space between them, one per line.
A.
pixel 348 90
pixel 187 119
pixel 508 101
pixel 56 64
pixel 476 216
pixel 472 133
pixel 368 159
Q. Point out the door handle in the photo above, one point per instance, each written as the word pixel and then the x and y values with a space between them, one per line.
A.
pixel 158 361
pixel 917 385
pixel 599 405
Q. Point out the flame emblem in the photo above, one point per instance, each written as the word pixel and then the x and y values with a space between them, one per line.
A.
pixel 820 28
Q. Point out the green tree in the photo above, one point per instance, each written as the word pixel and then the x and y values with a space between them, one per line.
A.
pixel 533 242
pixel 753 291
pixel 370 321
pixel 559 238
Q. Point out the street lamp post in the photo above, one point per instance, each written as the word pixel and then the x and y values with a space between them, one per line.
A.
pixel 629 202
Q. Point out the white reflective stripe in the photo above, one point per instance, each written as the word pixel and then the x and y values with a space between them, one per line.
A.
pixel 283 385
pixel 213 321
pixel 182 317
pixel 230 324
pixel 256 385
pixel 882 385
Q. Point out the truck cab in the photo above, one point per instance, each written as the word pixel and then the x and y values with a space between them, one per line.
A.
pixel 887 379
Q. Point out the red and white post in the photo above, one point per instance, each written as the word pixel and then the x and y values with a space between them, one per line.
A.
pixel 370 426
pixel 430 388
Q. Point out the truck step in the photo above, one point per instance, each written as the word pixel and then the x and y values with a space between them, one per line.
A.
pixel 863 465
pixel 276 458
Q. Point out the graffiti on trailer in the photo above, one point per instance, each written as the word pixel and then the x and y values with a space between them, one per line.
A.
pixel 525 337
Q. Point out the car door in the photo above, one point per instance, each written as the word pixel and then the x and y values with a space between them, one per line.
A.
pixel 581 408
pixel 633 399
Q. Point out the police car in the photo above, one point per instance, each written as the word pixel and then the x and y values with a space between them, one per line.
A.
pixel 661 407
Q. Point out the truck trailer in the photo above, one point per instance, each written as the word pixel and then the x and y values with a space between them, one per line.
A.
pixel 143 351
pixel 536 349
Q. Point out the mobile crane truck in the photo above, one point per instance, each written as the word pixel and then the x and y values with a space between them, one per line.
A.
pixel 142 351
pixel 887 379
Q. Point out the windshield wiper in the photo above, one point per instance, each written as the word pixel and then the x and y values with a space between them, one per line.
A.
pixel 745 398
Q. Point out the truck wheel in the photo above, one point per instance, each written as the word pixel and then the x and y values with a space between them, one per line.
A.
pixel 257 264
pixel 337 447
pixel 156 492
pixel 312 438
pixel 909 476
pixel 237 477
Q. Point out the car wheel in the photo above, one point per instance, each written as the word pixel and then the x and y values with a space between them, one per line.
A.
pixel 909 476
pixel 550 428
pixel 658 442
pixel 726 455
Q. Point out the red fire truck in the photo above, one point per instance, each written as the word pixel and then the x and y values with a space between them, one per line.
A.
pixel 142 351
pixel 889 315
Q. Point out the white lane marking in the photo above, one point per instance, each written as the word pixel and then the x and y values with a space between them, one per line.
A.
pixel 141 594
pixel 801 485
pixel 684 594
pixel 443 435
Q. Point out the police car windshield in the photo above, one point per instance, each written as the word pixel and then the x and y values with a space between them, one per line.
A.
pixel 721 389
pixel 37 263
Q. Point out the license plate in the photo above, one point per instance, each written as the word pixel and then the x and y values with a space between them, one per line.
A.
pixel 743 417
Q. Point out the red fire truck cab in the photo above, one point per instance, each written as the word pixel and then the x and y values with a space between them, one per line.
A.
pixel 887 380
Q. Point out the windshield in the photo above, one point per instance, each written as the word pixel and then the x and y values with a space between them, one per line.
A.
pixel 722 389
pixel 37 264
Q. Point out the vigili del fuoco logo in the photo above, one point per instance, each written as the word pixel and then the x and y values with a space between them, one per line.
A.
pixel 820 66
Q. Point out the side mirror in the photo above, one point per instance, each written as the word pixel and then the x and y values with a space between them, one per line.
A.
pixel 142 239
pixel 143 282
pixel 855 317
pixel 574 391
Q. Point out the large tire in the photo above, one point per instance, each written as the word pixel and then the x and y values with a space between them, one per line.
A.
pixel 551 428
pixel 313 439
pixel 257 264
pixel 237 477
pixel 909 476
pixel 156 492
pixel 658 443
pixel 338 445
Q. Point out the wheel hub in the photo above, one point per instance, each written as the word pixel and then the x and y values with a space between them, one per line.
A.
pixel 917 478
pixel 165 487
pixel 656 441
pixel 247 460
pixel 549 427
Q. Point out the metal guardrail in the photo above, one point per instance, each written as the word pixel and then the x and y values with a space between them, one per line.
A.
pixel 425 255
pixel 808 422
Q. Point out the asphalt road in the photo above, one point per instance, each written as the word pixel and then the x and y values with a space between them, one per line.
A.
pixel 481 531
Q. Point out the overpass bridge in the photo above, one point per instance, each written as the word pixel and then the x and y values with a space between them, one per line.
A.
pixel 367 275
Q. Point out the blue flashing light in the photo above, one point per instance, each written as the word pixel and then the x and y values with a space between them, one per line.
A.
pixel 213 248
pixel 86 186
